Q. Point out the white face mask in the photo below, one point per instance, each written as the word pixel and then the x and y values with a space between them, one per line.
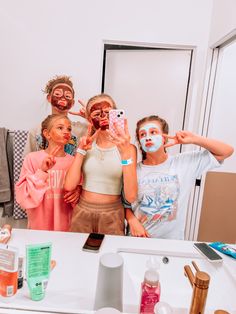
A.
pixel 150 138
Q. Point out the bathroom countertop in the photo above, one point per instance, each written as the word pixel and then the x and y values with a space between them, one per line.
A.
pixel 72 284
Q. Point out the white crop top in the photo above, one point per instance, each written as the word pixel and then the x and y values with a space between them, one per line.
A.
pixel 102 171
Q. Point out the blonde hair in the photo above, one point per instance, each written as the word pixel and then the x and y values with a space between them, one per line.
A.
pixel 97 99
pixel 58 79
pixel 47 124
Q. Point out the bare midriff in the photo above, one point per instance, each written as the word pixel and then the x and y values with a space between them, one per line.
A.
pixel 99 198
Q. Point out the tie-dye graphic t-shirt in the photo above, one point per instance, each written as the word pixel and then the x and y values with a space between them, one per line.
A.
pixel 69 148
pixel 163 192
pixel 34 139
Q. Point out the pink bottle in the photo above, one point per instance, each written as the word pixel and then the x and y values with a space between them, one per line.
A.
pixel 150 288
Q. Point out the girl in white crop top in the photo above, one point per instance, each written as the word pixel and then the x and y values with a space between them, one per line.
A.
pixel 107 163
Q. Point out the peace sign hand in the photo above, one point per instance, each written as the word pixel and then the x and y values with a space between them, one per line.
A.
pixel 49 161
pixel 81 112
pixel 181 137
pixel 87 141
pixel 174 140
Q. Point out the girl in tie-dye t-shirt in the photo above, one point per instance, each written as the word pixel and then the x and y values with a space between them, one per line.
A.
pixel 164 181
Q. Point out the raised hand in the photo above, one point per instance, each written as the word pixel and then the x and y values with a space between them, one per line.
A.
pixel 87 141
pixel 49 161
pixel 81 112
pixel 181 137
pixel 122 137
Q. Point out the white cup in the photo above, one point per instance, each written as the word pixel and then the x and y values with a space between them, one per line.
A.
pixel 109 290
pixel 108 310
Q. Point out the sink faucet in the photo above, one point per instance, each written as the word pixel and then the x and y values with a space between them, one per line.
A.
pixel 200 284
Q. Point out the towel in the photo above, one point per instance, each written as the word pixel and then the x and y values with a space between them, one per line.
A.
pixel 8 206
pixel 5 183
pixel 20 137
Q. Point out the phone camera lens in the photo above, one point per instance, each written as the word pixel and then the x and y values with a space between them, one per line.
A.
pixel 118 115
pixel 121 112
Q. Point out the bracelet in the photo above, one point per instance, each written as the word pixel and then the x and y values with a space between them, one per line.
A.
pixel 126 162
pixel 81 151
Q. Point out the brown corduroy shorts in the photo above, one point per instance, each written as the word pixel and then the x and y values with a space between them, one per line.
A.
pixel 100 218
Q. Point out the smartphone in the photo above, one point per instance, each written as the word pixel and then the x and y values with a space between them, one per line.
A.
pixel 93 242
pixel 116 116
pixel 208 252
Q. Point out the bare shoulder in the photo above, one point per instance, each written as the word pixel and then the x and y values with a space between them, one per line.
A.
pixel 133 147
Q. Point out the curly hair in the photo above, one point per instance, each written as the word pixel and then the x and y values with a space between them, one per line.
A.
pixel 63 79
pixel 163 123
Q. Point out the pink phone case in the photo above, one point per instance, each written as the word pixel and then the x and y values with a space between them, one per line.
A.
pixel 116 116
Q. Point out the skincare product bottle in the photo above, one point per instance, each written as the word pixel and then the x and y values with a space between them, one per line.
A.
pixel 150 288
pixel 20 278
pixel 5 233
pixel 38 260
pixel 8 270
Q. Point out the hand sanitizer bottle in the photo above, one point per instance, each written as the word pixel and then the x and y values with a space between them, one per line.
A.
pixel 150 287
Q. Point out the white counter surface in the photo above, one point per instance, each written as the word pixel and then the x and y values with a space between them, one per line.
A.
pixel 72 283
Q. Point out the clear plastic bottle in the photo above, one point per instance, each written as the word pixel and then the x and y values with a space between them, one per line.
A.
pixel 150 287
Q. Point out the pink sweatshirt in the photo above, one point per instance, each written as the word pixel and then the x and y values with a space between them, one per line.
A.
pixel 41 193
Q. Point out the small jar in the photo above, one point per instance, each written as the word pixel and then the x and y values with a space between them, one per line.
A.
pixel 5 233
pixel 8 283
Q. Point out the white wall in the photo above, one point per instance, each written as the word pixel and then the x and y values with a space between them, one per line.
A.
pixel 40 39
pixel 223 20
pixel 223 110
pixel 223 27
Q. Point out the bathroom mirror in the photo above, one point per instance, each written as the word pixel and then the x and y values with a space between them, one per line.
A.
pixel 73 39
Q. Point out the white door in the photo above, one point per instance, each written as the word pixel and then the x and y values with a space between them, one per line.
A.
pixel 144 82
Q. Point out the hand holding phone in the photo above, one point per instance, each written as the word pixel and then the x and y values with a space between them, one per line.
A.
pixel 208 252
pixel 116 117
pixel 93 242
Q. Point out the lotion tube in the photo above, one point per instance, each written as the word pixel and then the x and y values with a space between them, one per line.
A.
pixel 38 259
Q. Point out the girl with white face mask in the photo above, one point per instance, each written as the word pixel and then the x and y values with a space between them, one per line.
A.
pixel 164 181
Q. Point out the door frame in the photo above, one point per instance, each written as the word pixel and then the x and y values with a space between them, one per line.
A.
pixel 116 45
pixel 211 74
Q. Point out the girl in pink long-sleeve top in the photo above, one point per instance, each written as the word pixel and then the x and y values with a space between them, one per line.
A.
pixel 40 187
